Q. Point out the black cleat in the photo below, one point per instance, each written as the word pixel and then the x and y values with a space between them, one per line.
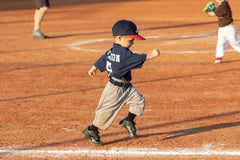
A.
pixel 93 136
pixel 130 127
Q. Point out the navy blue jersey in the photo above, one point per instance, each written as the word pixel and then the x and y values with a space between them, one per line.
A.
pixel 118 61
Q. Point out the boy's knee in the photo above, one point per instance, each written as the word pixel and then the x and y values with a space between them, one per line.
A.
pixel 138 108
pixel 43 8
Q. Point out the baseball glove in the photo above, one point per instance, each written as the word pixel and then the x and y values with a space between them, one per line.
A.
pixel 209 7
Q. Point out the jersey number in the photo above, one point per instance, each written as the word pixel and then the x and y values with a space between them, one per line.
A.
pixel 109 67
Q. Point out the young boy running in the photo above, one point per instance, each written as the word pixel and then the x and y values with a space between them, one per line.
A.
pixel 118 62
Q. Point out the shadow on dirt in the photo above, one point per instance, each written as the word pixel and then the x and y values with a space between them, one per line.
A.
pixel 135 83
pixel 183 132
pixel 190 131
pixel 145 29
pixel 185 76
pixel 29 4
pixel 184 25
pixel 173 134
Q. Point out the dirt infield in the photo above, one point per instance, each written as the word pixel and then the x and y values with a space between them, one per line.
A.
pixel 47 99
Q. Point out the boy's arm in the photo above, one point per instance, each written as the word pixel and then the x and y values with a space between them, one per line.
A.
pixel 153 54
pixel 92 71
pixel 211 14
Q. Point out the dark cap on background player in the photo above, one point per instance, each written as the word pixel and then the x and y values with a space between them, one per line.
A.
pixel 126 28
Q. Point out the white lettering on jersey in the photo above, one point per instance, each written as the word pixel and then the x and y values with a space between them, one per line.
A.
pixel 113 57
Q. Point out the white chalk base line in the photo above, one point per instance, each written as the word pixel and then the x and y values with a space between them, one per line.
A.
pixel 123 152
pixel 78 45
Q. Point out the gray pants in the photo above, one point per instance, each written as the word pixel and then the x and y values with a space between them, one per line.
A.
pixel 113 99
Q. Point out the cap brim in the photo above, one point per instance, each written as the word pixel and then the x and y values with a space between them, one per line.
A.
pixel 138 37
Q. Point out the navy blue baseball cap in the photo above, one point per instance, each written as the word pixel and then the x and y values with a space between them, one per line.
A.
pixel 126 28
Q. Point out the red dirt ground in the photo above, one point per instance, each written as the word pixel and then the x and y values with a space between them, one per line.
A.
pixel 47 98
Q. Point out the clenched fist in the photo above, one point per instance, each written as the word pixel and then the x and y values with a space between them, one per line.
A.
pixel 155 52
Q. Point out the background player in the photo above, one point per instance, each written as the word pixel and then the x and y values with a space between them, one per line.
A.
pixel 227 30
pixel 41 9
pixel 119 61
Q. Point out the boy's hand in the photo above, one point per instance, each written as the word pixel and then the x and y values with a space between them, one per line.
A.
pixel 92 71
pixel 155 52
pixel 209 7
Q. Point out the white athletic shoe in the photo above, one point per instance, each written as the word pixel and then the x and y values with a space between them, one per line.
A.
pixel 38 34
pixel 218 61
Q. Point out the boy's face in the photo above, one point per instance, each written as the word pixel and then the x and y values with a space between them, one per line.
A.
pixel 124 41
pixel 219 1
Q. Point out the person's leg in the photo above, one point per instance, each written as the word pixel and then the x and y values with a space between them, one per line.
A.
pixel 111 101
pixel 232 38
pixel 136 103
pixel 41 9
pixel 222 44
pixel 39 16
pixel 130 117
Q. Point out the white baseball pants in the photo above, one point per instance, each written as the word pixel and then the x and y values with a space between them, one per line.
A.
pixel 227 35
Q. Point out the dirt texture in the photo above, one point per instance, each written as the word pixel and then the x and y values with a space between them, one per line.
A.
pixel 47 97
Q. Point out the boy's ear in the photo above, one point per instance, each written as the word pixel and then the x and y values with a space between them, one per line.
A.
pixel 119 37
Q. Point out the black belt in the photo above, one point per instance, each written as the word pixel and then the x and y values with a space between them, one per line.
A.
pixel 120 84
